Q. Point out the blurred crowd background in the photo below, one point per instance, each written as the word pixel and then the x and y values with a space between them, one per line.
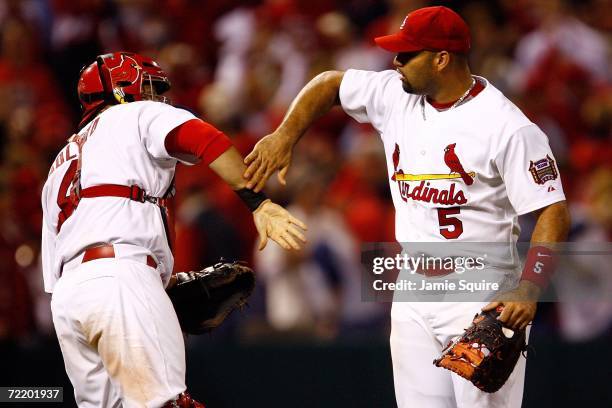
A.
pixel 238 65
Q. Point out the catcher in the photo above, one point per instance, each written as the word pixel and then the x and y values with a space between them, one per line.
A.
pixel 107 238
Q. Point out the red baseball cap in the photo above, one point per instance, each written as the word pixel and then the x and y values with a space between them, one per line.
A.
pixel 429 28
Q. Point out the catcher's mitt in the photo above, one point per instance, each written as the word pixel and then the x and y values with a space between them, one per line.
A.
pixel 484 355
pixel 203 299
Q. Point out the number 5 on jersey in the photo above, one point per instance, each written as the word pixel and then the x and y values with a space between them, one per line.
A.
pixel 450 227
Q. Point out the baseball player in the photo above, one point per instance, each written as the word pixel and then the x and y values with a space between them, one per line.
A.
pixel 463 163
pixel 107 233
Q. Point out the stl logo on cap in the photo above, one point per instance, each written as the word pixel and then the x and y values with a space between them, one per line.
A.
pixel 431 28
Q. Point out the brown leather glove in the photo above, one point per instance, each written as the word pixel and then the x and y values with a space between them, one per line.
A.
pixel 203 299
pixel 486 353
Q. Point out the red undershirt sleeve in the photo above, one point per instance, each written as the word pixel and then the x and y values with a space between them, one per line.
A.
pixel 198 139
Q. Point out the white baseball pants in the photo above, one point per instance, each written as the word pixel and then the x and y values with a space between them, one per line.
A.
pixel 419 332
pixel 119 335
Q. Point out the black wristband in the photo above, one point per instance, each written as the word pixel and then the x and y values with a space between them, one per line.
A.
pixel 252 199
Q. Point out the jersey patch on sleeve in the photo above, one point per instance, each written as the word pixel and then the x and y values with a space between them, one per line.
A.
pixel 543 170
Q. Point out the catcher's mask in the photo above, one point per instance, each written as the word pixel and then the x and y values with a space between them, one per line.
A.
pixel 119 77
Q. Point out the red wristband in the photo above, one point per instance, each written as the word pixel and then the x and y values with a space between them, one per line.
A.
pixel 539 266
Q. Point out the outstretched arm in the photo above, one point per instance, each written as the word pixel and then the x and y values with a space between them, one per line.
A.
pixel 197 141
pixel 271 220
pixel 552 226
pixel 229 166
pixel 273 152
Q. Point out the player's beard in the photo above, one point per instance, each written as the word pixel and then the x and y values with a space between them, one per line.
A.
pixel 421 83
pixel 423 88
pixel 407 87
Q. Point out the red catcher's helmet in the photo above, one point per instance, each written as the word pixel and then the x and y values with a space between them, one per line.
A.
pixel 119 77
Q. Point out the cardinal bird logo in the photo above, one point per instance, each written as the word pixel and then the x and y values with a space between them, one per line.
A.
pixel 396 158
pixel 427 189
pixel 453 163
pixel 127 71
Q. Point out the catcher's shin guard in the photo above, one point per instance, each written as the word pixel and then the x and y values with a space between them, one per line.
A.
pixel 183 400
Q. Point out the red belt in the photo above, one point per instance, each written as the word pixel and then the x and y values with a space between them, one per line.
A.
pixel 431 272
pixel 107 251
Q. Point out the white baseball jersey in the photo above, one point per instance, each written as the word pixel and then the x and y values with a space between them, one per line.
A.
pixel 125 146
pixel 464 174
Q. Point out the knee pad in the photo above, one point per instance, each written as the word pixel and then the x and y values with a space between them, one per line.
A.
pixel 183 400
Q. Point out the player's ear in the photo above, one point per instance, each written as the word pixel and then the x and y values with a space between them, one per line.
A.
pixel 441 60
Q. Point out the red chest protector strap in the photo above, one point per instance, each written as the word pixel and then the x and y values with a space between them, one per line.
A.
pixel 136 193
pixel 133 192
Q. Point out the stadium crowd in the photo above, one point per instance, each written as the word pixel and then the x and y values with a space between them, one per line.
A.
pixel 238 65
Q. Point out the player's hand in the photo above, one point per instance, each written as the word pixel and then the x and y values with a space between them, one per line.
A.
pixel 519 305
pixel 272 220
pixel 271 153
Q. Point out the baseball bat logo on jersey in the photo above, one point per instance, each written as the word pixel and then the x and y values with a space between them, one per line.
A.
pixel 425 191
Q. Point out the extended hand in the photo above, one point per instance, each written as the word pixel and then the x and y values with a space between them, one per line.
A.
pixel 272 220
pixel 519 305
pixel 271 153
